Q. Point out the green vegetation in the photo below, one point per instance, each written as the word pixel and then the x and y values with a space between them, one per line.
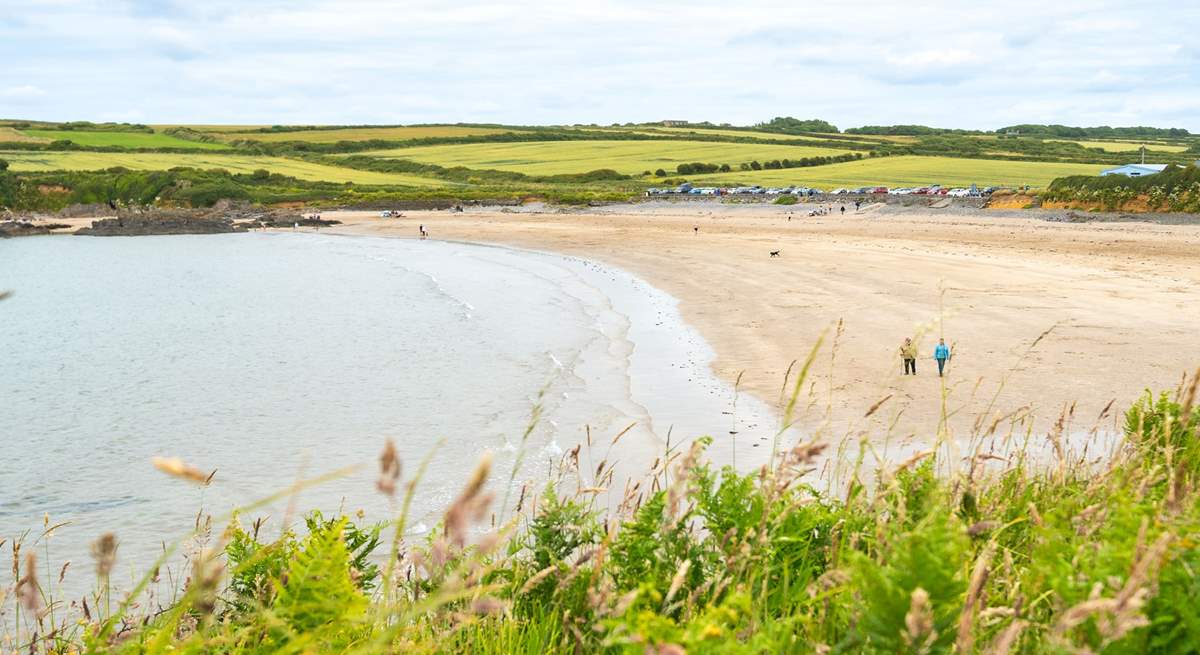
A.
pixel 130 140
pixel 630 157
pixel 92 161
pixel 933 555
pixel 1103 132
pixel 584 163
pixel 907 171
pixel 1175 189
pixel 789 125
pixel 328 135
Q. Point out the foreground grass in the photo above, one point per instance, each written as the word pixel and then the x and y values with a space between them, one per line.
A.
pixel 909 171
pixel 629 157
pixel 986 553
pixel 153 161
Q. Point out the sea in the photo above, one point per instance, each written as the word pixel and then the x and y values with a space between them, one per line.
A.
pixel 279 361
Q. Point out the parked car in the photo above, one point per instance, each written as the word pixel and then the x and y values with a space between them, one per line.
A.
pixel 879 189
pixel 959 193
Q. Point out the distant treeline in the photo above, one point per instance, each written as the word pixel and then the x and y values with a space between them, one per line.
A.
pixel 906 130
pixel 1097 132
pixel 1055 131
pixel 86 126
pixel 789 125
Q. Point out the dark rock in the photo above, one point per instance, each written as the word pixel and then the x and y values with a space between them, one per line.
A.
pixel 161 222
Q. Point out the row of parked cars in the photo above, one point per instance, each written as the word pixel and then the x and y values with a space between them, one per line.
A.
pixel 933 190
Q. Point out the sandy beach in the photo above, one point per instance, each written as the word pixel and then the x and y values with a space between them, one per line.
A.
pixel 1042 316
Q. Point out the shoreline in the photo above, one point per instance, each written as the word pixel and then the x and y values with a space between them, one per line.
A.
pixel 1102 304
pixel 1016 296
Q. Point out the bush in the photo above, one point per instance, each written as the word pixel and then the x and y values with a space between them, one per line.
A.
pixel 786 200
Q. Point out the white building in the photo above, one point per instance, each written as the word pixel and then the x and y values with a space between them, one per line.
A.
pixel 1135 170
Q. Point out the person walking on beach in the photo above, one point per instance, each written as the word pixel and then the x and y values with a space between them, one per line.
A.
pixel 421 229
pixel 942 354
pixel 696 230
pixel 843 210
pixel 908 356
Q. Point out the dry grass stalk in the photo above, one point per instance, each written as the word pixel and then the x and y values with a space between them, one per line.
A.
pixel 974 597
pixel 207 571
pixel 104 551
pixel 1004 642
pixel 28 591
pixel 175 467
pixel 677 581
pixel 389 469
pixel 1117 616
pixel 471 504
pixel 918 621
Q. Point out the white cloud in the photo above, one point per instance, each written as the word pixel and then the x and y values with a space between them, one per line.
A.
pixel 22 92
pixel 942 62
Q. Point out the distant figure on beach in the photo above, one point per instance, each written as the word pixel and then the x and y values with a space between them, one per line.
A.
pixel 421 229
pixel 857 204
pixel 908 355
pixel 942 354
pixel 843 210
pixel 295 226
pixel 696 229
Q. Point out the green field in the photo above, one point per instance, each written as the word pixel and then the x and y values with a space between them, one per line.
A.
pixel 631 157
pixel 84 161
pixel 1125 146
pixel 121 139
pixel 908 171
pixel 361 133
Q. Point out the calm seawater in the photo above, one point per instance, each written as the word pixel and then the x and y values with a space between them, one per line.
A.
pixel 277 357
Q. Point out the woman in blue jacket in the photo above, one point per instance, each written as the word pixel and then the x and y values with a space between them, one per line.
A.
pixel 941 353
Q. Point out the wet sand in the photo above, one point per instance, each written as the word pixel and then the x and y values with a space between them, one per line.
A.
pixel 1042 316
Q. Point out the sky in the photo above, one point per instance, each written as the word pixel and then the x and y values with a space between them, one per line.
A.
pixel 981 65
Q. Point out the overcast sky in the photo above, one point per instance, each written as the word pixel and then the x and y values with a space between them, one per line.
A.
pixel 981 64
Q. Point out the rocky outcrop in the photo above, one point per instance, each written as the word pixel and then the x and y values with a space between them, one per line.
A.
pixel 161 222
pixel 20 228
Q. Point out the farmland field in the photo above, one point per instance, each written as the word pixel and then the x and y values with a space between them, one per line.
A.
pixel 362 133
pixel 13 135
pixel 1125 146
pixel 121 139
pixel 684 131
pixel 632 157
pixel 51 161
pixel 908 171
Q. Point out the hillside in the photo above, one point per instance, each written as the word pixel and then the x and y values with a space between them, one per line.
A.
pixel 568 163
